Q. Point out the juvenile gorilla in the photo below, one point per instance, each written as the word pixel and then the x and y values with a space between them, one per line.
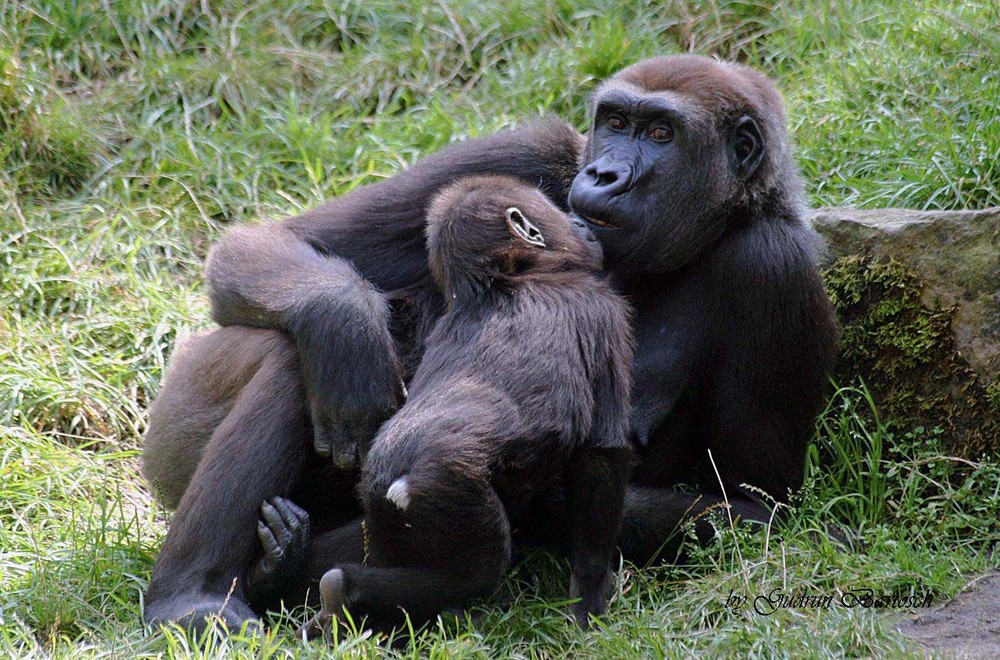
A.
pixel 687 181
pixel 525 380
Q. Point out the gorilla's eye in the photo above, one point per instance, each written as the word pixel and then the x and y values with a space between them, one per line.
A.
pixel 616 122
pixel 661 134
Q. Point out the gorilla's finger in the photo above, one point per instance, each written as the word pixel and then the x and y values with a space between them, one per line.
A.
pixel 301 515
pixel 298 511
pixel 333 439
pixel 290 518
pixel 363 434
pixel 327 431
pixel 322 440
pixel 272 518
pixel 345 451
pixel 272 549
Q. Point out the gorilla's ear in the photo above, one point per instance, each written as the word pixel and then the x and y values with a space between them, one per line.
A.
pixel 747 146
pixel 522 228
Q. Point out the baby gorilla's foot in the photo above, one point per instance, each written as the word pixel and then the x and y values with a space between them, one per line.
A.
pixel 283 530
pixel 332 595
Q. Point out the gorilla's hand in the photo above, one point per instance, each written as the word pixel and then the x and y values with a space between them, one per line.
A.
pixel 283 531
pixel 352 374
pixel 593 592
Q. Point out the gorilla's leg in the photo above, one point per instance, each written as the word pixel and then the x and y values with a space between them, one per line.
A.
pixel 439 541
pixel 652 527
pixel 206 376
pixel 260 449
pixel 652 523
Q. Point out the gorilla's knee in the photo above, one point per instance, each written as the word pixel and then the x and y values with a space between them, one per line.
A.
pixel 206 376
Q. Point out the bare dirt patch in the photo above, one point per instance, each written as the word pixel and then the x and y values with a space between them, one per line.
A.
pixel 966 627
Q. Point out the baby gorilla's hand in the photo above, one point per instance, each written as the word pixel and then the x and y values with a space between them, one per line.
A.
pixel 283 530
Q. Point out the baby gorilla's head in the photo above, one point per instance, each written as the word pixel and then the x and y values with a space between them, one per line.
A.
pixel 487 231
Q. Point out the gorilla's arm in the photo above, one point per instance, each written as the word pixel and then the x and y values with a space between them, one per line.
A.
pixel 322 276
pixel 598 472
pixel 267 276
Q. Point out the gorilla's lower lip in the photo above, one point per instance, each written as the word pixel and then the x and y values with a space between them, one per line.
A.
pixel 599 223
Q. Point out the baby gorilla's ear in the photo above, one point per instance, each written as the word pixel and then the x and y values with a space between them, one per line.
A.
pixel 522 228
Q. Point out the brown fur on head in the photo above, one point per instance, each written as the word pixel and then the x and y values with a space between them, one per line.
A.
pixel 489 230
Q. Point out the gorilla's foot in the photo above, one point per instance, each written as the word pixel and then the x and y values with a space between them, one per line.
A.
pixel 199 611
pixel 332 594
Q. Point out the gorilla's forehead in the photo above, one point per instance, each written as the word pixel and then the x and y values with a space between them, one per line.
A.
pixel 722 87
pixel 636 98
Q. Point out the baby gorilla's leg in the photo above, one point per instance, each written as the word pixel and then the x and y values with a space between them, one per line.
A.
pixel 437 541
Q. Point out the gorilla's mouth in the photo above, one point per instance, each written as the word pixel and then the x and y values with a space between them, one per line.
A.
pixel 599 223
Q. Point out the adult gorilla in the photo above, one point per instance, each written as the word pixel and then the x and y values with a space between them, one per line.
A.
pixel 689 184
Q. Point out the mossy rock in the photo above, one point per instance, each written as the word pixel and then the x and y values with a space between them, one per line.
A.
pixel 918 296
pixel 904 350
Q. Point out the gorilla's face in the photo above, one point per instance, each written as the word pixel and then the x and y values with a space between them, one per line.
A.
pixel 661 173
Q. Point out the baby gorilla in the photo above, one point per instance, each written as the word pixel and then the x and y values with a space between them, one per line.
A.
pixel 524 384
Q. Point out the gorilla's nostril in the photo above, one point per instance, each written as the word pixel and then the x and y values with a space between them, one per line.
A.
pixel 606 178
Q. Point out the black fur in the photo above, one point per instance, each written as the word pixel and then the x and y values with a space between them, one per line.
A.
pixel 734 333
pixel 525 379
pixel 323 314
pixel 704 231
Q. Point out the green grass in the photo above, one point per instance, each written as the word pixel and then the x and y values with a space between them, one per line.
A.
pixel 133 133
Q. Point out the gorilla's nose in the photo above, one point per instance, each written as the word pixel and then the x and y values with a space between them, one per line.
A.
pixel 611 178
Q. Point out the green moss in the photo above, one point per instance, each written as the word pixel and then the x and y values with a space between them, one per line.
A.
pixel 905 353
pixel 993 392
pixel 884 323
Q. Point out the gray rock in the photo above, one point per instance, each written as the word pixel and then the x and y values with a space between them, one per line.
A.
pixel 956 254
